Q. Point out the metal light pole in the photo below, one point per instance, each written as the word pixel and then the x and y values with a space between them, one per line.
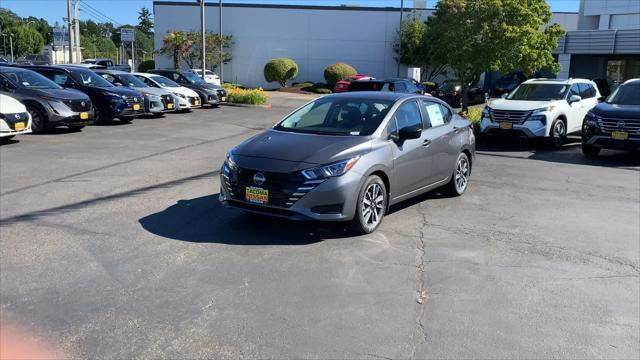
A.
pixel 400 43
pixel 202 39
pixel 221 40
pixel 70 31
pixel 11 46
pixel 77 31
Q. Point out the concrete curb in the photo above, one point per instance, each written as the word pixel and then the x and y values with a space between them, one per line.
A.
pixel 267 106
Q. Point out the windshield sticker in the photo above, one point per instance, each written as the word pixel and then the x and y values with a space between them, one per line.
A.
pixel 354 133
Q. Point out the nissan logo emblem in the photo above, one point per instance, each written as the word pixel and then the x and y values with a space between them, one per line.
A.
pixel 17 116
pixel 621 124
pixel 259 179
pixel 83 104
pixel 135 99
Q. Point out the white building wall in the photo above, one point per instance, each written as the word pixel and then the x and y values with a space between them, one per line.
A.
pixel 613 14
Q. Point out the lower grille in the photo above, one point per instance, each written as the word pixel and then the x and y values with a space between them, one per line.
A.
pixel 192 100
pixel 512 116
pixel 132 100
pixel 609 125
pixel 78 105
pixel 12 119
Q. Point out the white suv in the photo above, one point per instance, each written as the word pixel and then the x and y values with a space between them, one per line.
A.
pixel 541 108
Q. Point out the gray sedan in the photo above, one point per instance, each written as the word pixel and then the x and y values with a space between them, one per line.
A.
pixel 348 157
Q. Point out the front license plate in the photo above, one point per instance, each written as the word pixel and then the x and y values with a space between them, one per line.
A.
pixel 136 107
pixel 619 135
pixel 224 98
pixel 506 125
pixel 196 103
pixel 84 115
pixel 257 195
pixel 169 106
pixel 19 126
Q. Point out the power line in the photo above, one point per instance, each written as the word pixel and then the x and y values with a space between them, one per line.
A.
pixel 100 13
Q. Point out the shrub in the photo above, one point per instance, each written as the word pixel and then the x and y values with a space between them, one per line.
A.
pixel 246 96
pixel 280 70
pixel 305 84
pixel 474 114
pixel 429 86
pixel 321 90
pixel 146 65
pixel 338 72
pixel 228 86
pixel 318 88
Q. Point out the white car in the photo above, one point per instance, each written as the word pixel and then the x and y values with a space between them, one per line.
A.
pixel 14 118
pixel 209 76
pixel 541 108
pixel 185 97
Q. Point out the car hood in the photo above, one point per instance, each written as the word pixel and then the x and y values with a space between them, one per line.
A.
pixel 9 105
pixel 152 91
pixel 62 94
pixel 520 105
pixel 617 111
pixel 305 148
pixel 122 91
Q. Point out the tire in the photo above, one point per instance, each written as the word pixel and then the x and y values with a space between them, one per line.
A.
pixel 126 119
pixel 75 127
pixel 558 134
pixel 590 151
pixel 38 120
pixel 460 177
pixel 371 206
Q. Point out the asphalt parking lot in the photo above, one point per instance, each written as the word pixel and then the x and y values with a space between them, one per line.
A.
pixel 113 245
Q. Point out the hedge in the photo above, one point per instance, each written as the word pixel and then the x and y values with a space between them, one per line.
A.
pixel 246 96
pixel 280 70
pixel 146 65
pixel 338 72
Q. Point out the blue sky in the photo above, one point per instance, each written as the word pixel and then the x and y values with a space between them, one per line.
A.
pixel 126 11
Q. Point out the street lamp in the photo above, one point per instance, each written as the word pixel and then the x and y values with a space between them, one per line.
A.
pixel 11 36
pixel 202 39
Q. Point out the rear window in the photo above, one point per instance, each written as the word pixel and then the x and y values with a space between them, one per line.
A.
pixel 366 86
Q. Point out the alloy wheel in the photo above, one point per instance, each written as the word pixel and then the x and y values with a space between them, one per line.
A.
pixel 558 132
pixel 462 174
pixel 37 122
pixel 373 205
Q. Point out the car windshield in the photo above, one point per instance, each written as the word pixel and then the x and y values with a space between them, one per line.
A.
pixel 193 77
pixel 30 80
pixel 131 81
pixel 539 92
pixel 626 95
pixel 89 78
pixel 163 81
pixel 337 116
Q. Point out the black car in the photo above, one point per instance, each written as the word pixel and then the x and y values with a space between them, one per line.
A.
pixel 450 91
pixel 391 85
pixel 508 83
pixel 615 123
pixel 48 103
pixel 209 93
pixel 109 101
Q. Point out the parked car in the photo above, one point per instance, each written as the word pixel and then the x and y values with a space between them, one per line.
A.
pixel 348 157
pixel 508 83
pixel 156 100
pixel 209 94
pixel 541 108
pixel 391 85
pixel 107 63
pixel 209 76
pixel 47 102
pixel 343 86
pixel 615 123
pixel 450 91
pixel 14 118
pixel 186 98
pixel 38 59
pixel 109 101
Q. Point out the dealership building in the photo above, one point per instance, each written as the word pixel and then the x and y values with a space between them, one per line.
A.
pixel 602 41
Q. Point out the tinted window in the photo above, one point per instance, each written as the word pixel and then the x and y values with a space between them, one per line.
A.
pixel 435 114
pixel 131 81
pixel 574 90
pixel 586 91
pixel 58 77
pixel 408 114
pixel 5 84
pixel 163 81
pixel 539 92
pixel 626 95
pixel 30 80
pixel 411 87
pixel 193 77
pixel 401 86
pixel 89 78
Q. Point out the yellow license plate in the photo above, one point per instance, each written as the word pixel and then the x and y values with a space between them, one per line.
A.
pixel 506 125
pixel 19 126
pixel 257 195
pixel 196 103
pixel 136 106
pixel 619 135
pixel 169 106
pixel 224 98
pixel 84 116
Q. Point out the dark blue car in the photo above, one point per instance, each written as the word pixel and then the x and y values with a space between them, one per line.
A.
pixel 109 101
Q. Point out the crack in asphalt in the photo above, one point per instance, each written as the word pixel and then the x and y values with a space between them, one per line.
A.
pixel 420 334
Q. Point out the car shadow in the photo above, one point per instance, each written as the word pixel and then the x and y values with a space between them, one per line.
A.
pixel 205 220
pixel 5 141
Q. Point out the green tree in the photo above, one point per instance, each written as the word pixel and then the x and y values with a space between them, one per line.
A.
pixel 145 23
pixel 175 44
pixel 416 50
pixel 213 55
pixel 474 36
pixel 280 70
pixel 98 47
pixel 27 41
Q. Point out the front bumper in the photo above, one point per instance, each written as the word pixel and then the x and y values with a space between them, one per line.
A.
pixel 334 199
pixel 529 129
pixel 7 129
pixel 606 142
pixel 62 115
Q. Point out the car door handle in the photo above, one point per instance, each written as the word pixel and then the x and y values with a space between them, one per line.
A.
pixel 426 143
pixel 456 129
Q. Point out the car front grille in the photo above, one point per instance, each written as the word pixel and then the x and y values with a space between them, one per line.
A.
pixel 132 100
pixel 12 119
pixel 512 116
pixel 77 105
pixel 166 99
pixel 192 100
pixel 284 188
pixel 221 93
pixel 609 125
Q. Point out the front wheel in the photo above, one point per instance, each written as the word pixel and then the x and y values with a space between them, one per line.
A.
pixel 558 133
pixel 372 204
pixel 590 150
pixel 38 120
pixel 460 177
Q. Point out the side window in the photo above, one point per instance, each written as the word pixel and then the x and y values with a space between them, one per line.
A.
pixel 586 91
pixel 446 113
pixel 59 78
pixel 574 90
pixel 388 87
pixel 433 114
pixel 408 114
pixel 108 77
pixel 411 87
pixel 401 87
pixel 5 84
pixel 392 129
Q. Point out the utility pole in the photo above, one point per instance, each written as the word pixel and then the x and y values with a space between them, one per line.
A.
pixel 11 45
pixel 221 40
pixel 203 35
pixel 77 28
pixel 70 31
pixel 400 43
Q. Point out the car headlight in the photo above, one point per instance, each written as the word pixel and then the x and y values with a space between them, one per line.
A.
pixel 331 170
pixel 486 113
pixel 591 119
pixel 180 95
pixel 229 162
pixel 544 109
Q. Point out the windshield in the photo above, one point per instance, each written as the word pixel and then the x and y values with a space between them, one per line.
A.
pixel 626 95
pixel 30 80
pixel 335 116
pixel 89 78
pixel 193 77
pixel 163 81
pixel 131 81
pixel 539 92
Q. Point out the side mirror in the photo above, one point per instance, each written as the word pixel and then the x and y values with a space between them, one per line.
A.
pixel 504 96
pixel 574 98
pixel 118 84
pixel 409 132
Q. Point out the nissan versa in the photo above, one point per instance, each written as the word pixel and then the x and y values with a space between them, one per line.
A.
pixel 348 157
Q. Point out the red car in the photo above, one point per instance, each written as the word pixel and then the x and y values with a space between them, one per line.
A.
pixel 342 86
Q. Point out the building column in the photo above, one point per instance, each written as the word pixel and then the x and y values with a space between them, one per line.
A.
pixel 565 64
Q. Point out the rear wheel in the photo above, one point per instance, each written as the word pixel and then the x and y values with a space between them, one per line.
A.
pixel 38 120
pixel 460 177
pixel 590 150
pixel 372 204
pixel 558 133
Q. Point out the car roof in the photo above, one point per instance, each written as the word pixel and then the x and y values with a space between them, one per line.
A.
pixel 13 68
pixel 558 81
pixel 112 72
pixel 374 95
pixel 635 81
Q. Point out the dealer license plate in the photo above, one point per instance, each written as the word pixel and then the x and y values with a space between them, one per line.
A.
pixel 196 103
pixel 136 107
pixel 224 98
pixel 169 106
pixel 19 126
pixel 84 116
pixel 506 125
pixel 619 135
pixel 257 195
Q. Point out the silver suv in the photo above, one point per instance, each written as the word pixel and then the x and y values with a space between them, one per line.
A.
pixel 348 157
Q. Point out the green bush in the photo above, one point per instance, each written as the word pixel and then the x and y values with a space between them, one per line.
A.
pixel 247 96
pixel 474 115
pixel 228 86
pixel 429 86
pixel 321 90
pixel 146 65
pixel 338 72
pixel 280 70
pixel 305 84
